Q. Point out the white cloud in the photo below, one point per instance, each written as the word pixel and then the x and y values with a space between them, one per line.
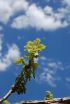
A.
pixel 34 16
pixel 9 7
pixel 20 5
pixel 5 11
pixel 48 78
pixel 68 79
pixel 39 18
pixel 66 2
pixel 49 72
pixel 43 58
pixel 55 65
pixel 48 10
pixel 9 58
pixel 67 82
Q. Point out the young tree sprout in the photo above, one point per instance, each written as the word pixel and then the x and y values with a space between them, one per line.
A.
pixel 32 48
pixel 28 70
pixel 49 95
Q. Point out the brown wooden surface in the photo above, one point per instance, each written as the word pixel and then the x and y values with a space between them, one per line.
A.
pixel 65 100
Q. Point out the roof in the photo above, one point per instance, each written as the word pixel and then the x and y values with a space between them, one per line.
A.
pixel 65 100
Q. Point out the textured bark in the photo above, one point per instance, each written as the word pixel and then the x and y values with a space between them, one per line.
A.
pixel 65 100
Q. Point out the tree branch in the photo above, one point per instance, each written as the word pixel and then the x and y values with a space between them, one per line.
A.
pixel 13 88
pixel 6 96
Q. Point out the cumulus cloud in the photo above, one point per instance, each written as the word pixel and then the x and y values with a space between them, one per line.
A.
pixel 9 7
pixel 34 16
pixel 66 2
pixel 12 53
pixel 39 18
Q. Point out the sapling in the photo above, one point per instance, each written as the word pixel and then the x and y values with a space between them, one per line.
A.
pixel 33 49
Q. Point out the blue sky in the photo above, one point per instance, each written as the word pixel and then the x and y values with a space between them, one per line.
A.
pixel 24 20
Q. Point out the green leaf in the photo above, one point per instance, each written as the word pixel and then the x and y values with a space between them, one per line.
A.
pixel 21 88
pixel 34 46
pixel 27 73
pixel 6 102
pixel 34 67
pixel 29 66
pixel 49 95
pixel 37 41
pixel 20 61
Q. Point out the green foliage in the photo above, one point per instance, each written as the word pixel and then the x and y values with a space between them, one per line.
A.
pixel 49 95
pixel 20 61
pixel 34 46
pixel 21 88
pixel 6 102
pixel 28 70
pixel 34 66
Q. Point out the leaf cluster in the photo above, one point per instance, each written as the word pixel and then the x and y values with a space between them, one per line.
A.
pixel 49 95
pixel 6 102
pixel 28 70
pixel 34 46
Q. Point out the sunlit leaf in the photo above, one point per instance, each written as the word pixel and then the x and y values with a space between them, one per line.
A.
pixel 34 46
pixel 6 102
pixel 49 95
pixel 19 61
pixel 29 64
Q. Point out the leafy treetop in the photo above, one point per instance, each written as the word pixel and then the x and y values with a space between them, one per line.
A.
pixel 28 70
pixel 34 46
